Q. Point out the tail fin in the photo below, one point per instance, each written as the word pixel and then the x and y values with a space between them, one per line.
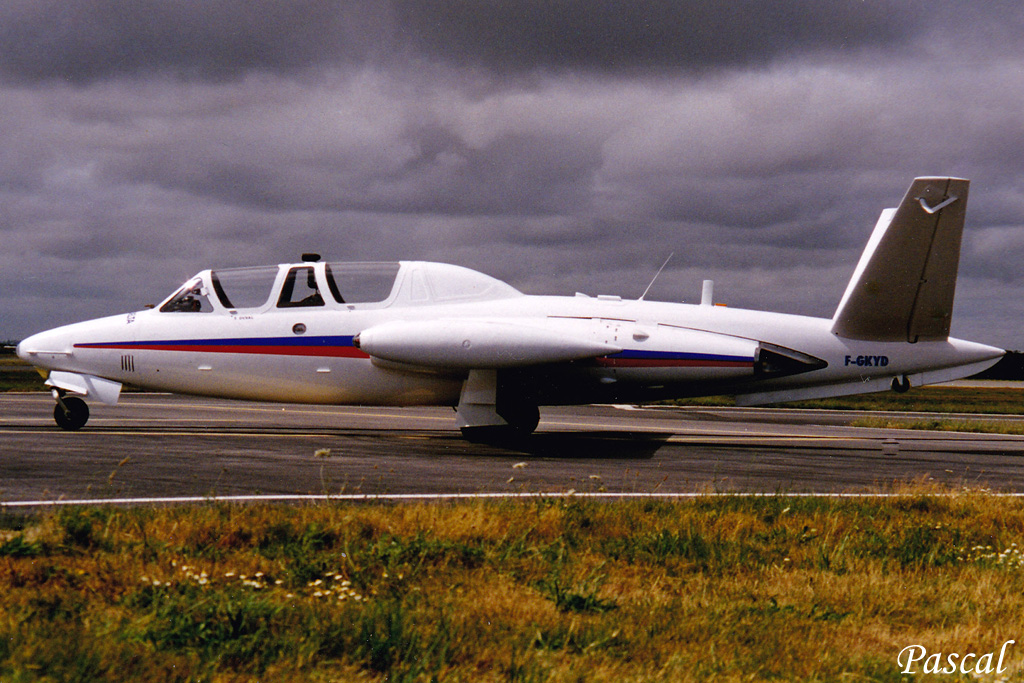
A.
pixel 902 289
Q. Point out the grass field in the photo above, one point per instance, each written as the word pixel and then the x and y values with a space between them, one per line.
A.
pixel 16 375
pixel 724 589
pixel 930 399
pixel 561 590
pixel 939 424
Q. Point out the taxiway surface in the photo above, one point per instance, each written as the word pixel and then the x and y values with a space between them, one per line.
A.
pixel 153 445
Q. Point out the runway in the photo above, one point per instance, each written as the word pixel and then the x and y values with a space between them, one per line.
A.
pixel 155 445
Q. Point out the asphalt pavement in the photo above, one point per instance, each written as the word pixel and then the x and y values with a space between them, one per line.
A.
pixel 163 446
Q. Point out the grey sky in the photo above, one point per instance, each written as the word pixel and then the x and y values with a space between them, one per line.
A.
pixel 560 146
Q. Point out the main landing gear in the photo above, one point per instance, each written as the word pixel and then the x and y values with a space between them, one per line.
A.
pixel 70 413
pixel 486 415
pixel 521 421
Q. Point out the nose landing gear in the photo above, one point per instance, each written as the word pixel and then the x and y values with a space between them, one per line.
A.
pixel 71 413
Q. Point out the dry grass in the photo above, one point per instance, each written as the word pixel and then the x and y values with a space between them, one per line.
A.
pixel 717 588
pixel 17 375
pixel 941 425
pixel 930 399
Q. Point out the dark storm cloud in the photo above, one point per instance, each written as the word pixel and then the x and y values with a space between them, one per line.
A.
pixel 223 39
pixel 425 169
pixel 517 173
pixel 646 34
pixel 216 39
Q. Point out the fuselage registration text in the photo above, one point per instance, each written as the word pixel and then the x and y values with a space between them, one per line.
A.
pixel 867 361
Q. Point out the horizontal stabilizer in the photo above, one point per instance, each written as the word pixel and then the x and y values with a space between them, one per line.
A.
pixel 479 343
pixel 902 289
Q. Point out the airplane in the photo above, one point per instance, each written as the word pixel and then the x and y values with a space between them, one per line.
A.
pixel 420 333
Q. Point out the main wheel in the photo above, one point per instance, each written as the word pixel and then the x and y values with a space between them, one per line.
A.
pixel 522 418
pixel 72 415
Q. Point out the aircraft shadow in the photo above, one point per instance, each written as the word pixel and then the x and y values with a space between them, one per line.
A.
pixel 584 445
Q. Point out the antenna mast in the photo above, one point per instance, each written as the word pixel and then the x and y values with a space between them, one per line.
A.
pixel 656 276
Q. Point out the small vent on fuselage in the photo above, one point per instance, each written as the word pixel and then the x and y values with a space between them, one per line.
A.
pixel 128 363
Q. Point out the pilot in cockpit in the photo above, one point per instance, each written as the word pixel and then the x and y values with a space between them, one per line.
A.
pixel 188 300
pixel 300 291
pixel 313 298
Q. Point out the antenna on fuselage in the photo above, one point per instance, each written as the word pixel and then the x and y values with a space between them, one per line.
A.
pixel 656 276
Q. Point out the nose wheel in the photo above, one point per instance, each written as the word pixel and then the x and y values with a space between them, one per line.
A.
pixel 70 413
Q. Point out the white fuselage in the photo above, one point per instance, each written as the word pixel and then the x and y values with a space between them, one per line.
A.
pixel 656 350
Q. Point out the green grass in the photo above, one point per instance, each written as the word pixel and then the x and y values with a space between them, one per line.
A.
pixel 16 375
pixel 930 399
pixel 941 425
pixel 729 589
pixel 933 399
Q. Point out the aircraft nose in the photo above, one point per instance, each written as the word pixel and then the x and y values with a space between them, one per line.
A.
pixel 50 343
pixel 26 347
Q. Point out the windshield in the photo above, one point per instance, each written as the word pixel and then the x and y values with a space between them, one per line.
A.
pixel 192 298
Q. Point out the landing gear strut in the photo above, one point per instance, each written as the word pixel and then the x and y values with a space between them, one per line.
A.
pixel 521 421
pixel 70 413
pixel 488 417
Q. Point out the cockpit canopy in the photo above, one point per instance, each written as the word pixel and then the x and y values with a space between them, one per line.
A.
pixel 337 285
